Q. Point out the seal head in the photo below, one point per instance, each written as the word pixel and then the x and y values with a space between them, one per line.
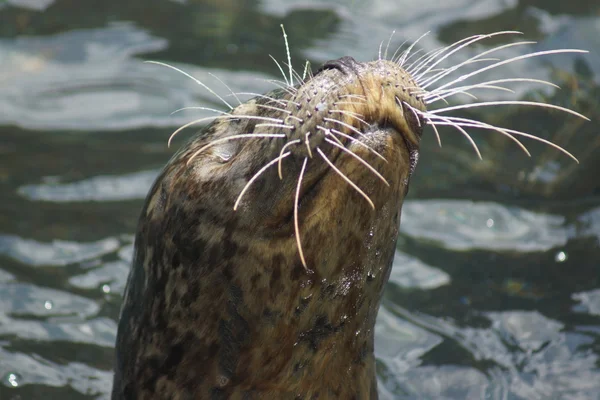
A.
pixel 273 294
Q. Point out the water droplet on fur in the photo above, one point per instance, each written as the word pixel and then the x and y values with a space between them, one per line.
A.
pixel 12 379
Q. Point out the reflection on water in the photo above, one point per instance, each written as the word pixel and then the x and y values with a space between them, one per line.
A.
pixel 495 291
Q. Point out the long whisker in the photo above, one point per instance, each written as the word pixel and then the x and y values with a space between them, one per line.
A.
pixel 255 177
pixel 227 116
pixel 297 75
pixel 289 54
pixel 355 96
pixel 508 102
pixel 283 110
pixel 387 46
pixel 296 224
pixel 416 65
pixel 348 102
pixel 282 85
pixel 440 53
pixel 307 74
pixel 233 137
pixel 466 42
pixel 194 79
pixel 398 49
pixel 227 86
pixel 341 174
pixel 402 59
pixel 355 141
pixel 274 126
pixel 307 144
pixel 351 115
pixel 510 60
pixel 465 122
pixel 335 121
pixel 431 56
pixel 280 69
pixel 461 130
pixel 471 95
pixel 288 144
pixel 435 130
pixel 360 159
pixel 442 94
pixel 200 108
pixel 263 96
pixel 197 121
pixel 424 83
pixel 530 136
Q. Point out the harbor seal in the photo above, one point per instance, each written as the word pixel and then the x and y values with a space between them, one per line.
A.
pixel 264 245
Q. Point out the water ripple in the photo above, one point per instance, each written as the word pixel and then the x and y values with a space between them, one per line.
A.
pixel 467 225
pixel 55 253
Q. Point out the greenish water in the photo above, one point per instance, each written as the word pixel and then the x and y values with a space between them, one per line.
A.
pixel 495 291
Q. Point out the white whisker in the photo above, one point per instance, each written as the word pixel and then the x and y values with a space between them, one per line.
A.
pixel 280 69
pixel 233 137
pixel 274 126
pixel 263 96
pixel 194 79
pixel 437 134
pixel 341 174
pixel 197 121
pixel 335 121
pixel 288 144
pixel 465 42
pixel 510 60
pixel 387 46
pixel 337 103
pixel 402 59
pixel 355 96
pixel 465 122
pixel 255 177
pixel 307 144
pixel 360 159
pixel 424 83
pixel 283 86
pixel 283 110
pixel 296 224
pixel 442 94
pixel 508 102
pixel 356 141
pixel 289 54
pixel 415 112
pixel 393 57
pixel 461 130
pixel 307 74
pixel 227 86
pixel 351 115
pixel 530 136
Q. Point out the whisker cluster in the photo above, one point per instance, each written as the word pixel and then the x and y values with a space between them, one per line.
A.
pixel 432 85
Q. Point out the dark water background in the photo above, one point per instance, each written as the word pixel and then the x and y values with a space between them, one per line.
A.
pixel 495 292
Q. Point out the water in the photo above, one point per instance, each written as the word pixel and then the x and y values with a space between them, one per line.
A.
pixel 495 292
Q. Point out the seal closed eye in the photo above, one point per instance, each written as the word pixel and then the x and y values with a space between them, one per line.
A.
pixel 264 244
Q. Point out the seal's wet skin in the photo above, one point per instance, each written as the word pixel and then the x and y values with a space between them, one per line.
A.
pixel 264 245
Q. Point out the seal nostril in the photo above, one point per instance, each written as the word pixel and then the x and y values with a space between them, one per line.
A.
pixel 345 65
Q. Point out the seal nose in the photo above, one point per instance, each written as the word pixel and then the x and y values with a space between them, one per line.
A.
pixel 345 65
